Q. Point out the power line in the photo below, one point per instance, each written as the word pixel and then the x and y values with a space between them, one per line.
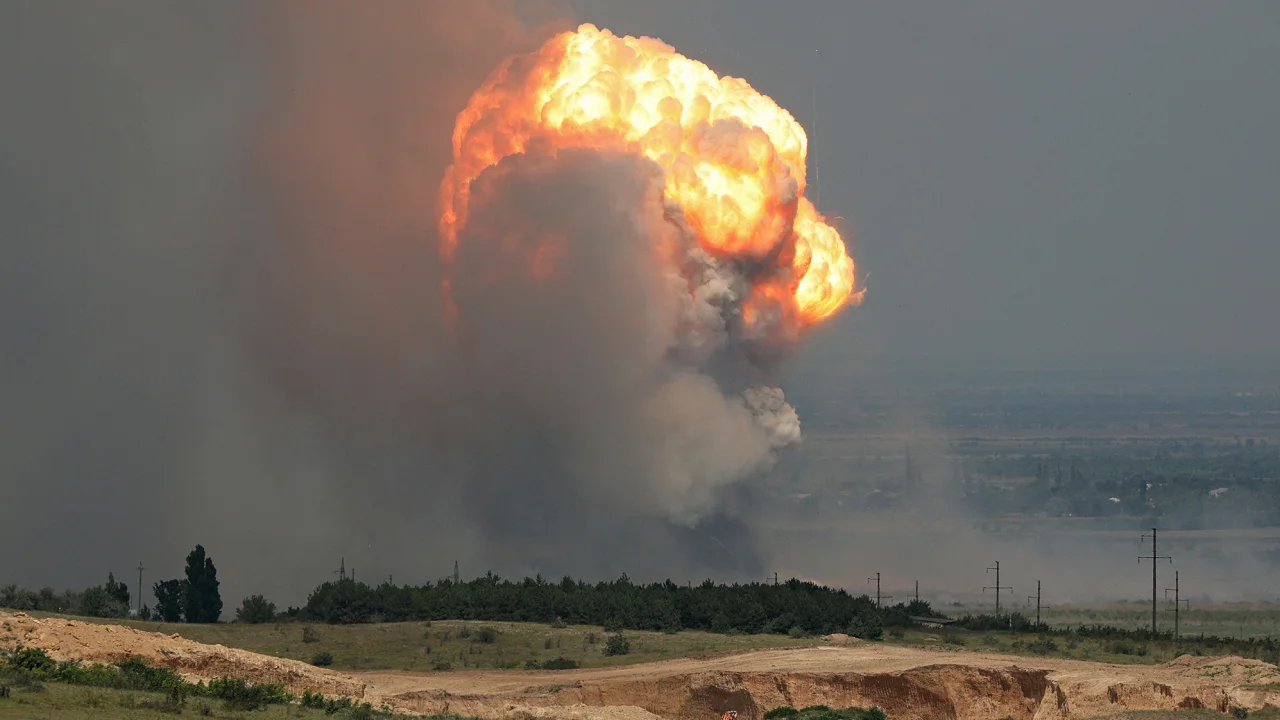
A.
pixel 879 597
pixel 1153 557
pixel 998 587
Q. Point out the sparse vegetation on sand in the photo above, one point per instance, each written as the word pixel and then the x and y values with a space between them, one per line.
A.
pixel 459 645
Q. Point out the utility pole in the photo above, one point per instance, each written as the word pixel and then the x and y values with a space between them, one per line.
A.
pixel 775 579
pixel 879 597
pixel 139 587
pixel 1038 605
pixel 455 572
pixel 341 572
pixel 1153 557
pixel 917 591
pixel 998 587
pixel 391 579
pixel 1177 602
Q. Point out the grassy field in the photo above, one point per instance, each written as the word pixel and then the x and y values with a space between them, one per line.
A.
pixel 1121 652
pixel 457 645
pixel 1224 619
pixel 56 701
pixel 462 645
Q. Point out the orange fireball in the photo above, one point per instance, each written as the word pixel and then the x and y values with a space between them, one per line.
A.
pixel 733 160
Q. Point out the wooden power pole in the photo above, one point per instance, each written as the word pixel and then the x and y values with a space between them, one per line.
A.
pixel 1177 603
pixel 998 587
pixel 1153 557
pixel 1038 605
pixel 879 597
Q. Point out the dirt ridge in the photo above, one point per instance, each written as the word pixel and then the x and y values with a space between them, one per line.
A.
pixel 66 639
pixel 908 683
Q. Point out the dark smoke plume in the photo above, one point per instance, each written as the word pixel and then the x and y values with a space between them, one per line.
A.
pixel 222 288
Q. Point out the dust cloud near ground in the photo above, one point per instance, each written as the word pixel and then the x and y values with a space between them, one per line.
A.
pixel 906 682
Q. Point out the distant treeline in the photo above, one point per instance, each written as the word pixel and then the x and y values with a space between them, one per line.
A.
pixel 795 607
pixel 105 601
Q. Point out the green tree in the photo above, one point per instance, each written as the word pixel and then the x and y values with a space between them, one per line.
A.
pixel 170 597
pixel 256 609
pixel 203 603
pixel 118 590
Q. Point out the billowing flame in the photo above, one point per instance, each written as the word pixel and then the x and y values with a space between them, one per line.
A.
pixel 733 160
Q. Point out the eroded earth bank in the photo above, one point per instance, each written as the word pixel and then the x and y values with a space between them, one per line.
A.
pixel 907 683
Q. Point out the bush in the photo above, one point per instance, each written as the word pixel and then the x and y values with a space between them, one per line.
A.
pixel 560 663
pixel 464 632
pixel 238 694
pixel 322 659
pixel 866 625
pixel 559 623
pixel 796 632
pixel 256 609
pixel 309 635
pixel 617 645
pixel 487 635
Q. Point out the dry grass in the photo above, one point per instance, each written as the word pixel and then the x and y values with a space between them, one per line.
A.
pixel 457 645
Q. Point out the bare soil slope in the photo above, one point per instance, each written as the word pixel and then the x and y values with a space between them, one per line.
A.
pixel 75 640
pixel 908 683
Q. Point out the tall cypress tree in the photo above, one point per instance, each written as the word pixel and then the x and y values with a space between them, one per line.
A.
pixel 203 602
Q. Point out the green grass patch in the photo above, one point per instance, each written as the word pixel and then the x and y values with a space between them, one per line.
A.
pixel 460 645
pixel 61 701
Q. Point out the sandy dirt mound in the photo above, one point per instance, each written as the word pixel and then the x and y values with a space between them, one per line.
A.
pixel 907 683
pixel 90 642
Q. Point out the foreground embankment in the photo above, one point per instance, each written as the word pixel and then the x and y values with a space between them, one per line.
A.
pixel 908 683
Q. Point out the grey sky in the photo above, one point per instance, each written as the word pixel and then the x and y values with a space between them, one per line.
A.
pixel 1027 178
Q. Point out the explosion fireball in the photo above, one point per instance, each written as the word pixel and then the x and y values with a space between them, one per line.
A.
pixel 732 160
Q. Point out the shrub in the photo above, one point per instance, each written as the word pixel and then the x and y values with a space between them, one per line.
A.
pixel 238 694
pixel 322 659
pixel 560 663
pixel 464 632
pixel 796 632
pixel 138 675
pixel 559 623
pixel 866 625
pixel 617 645
pixel 487 635
pixel 309 635
pixel 256 609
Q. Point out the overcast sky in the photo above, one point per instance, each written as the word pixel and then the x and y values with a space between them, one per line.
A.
pixel 1026 178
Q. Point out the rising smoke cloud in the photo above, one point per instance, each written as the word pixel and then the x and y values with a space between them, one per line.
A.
pixel 223 277
pixel 566 386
